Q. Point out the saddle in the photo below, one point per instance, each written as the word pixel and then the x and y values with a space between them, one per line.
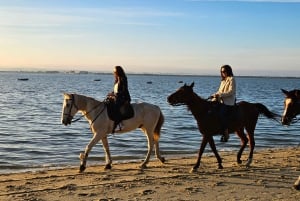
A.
pixel 126 110
pixel 232 113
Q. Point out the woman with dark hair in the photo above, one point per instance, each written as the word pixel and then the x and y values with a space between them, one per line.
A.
pixel 120 95
pixel 227 90
pixel 226 95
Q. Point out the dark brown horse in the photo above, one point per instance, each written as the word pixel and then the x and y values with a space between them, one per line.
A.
pixel 206 113
pixel 291 106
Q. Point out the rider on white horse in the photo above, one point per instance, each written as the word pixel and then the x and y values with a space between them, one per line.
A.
pixel 120 96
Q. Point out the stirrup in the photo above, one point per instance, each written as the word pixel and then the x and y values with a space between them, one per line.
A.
pixel 119 127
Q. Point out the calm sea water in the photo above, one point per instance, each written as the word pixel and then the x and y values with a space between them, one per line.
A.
pixel 32 136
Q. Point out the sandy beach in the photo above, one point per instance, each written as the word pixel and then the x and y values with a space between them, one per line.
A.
pixel 271 177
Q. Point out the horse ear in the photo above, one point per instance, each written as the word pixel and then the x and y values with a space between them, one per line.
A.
pixel 192 85
pixel 285 92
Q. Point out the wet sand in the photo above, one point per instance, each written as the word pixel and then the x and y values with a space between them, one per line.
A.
pixel 270 177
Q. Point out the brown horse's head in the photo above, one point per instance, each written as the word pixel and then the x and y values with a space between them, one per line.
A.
pixel 181 96
pixel 291 106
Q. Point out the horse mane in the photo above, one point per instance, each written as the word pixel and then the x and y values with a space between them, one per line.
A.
pixel 196 106
pixel 296 92
pixel 293 94
pixel 86 97
pixel 199 97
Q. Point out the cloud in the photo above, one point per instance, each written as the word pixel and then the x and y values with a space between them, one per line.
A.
pixel 53 17
pixel 37 18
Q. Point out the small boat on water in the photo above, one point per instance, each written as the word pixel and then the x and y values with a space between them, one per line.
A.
pixel 23 79
pixel 97 80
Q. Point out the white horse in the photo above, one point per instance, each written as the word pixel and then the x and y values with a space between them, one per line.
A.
pixel 148 117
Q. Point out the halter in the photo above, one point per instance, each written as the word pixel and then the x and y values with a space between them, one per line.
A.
pixel 69 113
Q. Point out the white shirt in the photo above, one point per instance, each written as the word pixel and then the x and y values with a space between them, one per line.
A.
pixel 227 91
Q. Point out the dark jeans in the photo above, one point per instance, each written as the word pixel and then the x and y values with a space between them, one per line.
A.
pixel 119 116
pixel 225 117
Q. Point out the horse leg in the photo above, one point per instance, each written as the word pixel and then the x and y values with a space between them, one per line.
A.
pixel 150 147
pixel 252 145
pixel 244 141
pixel 157 152
pixel 213 148
pixel 201 150
pixel 83 156
pixel 107 154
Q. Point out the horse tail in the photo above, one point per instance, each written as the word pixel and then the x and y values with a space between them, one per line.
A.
pixel 158 127
pixel 262 109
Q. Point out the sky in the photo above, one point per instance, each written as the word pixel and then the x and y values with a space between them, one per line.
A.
pixel 255 37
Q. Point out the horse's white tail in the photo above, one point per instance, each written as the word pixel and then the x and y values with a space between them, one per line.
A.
pixel 158 127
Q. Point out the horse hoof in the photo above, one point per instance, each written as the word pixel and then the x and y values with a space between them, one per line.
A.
pixel 297 184
pixel 239 162
pixel 220 166
pixel 193 170
pixel 143 167
pixel 249 161
pixel 248 165
pixel 163 160
pixel 82 168
pixel 107 167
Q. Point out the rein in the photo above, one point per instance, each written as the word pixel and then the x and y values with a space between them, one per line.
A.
pixel 83 115
pixel 97 115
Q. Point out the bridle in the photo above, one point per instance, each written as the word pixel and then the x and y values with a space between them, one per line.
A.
pixel 70 117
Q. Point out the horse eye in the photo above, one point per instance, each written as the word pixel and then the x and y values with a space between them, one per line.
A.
pixel 68 105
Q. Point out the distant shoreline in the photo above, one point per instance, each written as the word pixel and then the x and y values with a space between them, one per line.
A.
pixel 142 74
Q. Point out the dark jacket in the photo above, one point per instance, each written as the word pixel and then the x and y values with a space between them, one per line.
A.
pixel 122 95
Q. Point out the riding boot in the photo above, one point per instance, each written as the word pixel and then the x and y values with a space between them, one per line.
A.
pixel 114 127
pixel 224 130
pixel 118 118
pixel 225 135
pixel 224 117
pixel 118 126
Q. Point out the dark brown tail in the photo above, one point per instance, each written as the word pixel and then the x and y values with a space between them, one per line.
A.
pixel 266 112
pixel 158 127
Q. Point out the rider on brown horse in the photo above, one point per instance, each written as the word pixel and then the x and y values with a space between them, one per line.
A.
pixel 226 95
